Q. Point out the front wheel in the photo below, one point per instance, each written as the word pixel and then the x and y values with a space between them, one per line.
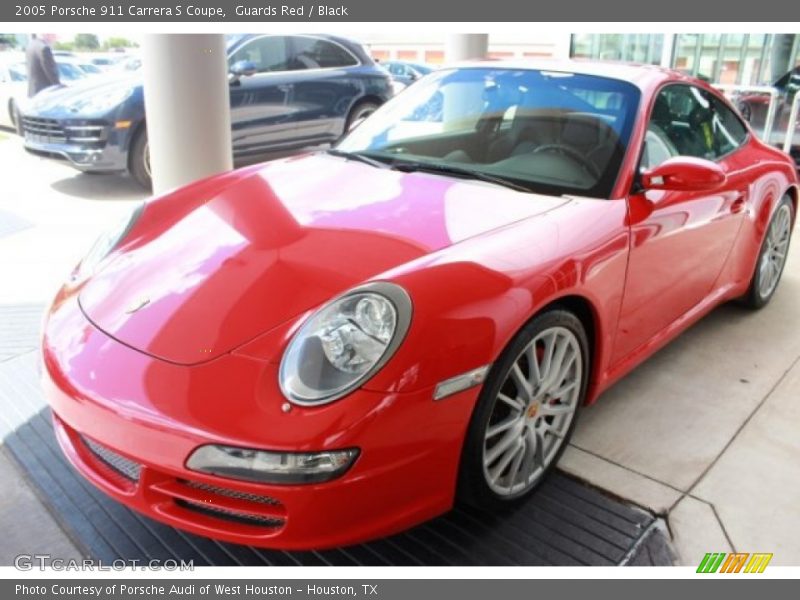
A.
pixel 526 411
pixel 139 160
pixel 772 256
pixel 15 116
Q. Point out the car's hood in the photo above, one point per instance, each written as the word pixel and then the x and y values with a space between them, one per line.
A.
pixel 278 242
pixel 81 97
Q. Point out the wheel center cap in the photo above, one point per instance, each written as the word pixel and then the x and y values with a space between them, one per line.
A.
pixel 533 409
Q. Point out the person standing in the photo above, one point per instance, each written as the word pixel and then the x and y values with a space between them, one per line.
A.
pixel 41 66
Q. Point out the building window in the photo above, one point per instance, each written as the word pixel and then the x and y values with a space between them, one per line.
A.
pixel 634 47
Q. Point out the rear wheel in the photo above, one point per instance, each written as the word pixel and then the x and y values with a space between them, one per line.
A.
pixel 772 257
pixel 359 112
pixel 139 159
pixel 526 411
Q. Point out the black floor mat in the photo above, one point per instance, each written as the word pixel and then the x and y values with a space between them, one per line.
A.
pixel 564 523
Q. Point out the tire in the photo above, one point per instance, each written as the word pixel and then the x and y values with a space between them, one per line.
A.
pixel 360 111
pixel 771 256
pixel 539 421
pixel 16 118
pixel 139 160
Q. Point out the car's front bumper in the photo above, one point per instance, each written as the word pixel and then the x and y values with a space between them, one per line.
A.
pixel 118 411
pixel 85 145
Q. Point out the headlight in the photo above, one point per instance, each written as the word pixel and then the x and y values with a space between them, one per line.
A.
pixel 344 343
pixel 106 243
pixel 271 467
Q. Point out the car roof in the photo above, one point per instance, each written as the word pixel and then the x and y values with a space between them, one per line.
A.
pixel 643 76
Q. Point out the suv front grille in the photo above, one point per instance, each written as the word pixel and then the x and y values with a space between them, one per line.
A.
pixel 50 131
pixel 43 130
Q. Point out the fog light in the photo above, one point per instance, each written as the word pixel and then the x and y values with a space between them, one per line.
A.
pixel 271 467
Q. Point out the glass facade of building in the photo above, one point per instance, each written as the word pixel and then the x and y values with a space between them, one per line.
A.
pixel 633 47
pixel 731 58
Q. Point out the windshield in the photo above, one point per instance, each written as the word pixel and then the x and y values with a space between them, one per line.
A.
pixel 553 132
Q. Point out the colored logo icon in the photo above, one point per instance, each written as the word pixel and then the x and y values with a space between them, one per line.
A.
pixel 734 562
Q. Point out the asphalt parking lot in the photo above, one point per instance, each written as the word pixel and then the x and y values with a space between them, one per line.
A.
pixel 704 434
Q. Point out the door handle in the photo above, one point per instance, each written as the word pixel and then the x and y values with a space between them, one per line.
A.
pixel 739 203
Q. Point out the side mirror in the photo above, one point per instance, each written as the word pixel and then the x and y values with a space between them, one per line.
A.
pixel 243 68
pixel 684 174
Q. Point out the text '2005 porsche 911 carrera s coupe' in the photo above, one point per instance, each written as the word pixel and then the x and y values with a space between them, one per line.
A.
pixel 336 346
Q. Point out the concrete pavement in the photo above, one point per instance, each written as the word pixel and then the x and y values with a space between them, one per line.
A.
pixel 706 433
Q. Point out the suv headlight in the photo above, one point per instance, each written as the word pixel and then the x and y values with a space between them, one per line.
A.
pixel 345 343
pixel 106 243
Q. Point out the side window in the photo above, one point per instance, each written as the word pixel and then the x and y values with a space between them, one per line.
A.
pixel 267 53
pixel 695 122
pixel 315 53
pixel 729 132
pixel 657 148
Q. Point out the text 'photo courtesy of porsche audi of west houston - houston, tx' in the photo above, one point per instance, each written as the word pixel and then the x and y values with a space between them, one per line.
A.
pixel 335 346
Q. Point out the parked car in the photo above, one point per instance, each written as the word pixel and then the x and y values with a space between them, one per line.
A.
pixel 105 62
pixel 753 107
pixel 86 67
pixel 406 72
pixel 336 346
pixel 14 86
pixel 13 91
pixel 129 63
pixel 285 91
pixel 69 71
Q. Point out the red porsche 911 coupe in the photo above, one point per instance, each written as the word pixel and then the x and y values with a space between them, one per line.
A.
pixel 336 346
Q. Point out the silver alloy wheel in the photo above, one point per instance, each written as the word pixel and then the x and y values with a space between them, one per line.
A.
pixel 775 250
pixel 533 412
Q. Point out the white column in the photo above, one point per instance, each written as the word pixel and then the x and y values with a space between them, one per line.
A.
pixel 562 46
pixel 187 107
pixel 466 46
pixel 667 49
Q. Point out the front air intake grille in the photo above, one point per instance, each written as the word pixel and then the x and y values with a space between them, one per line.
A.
pixel 43 130
pixel 230 493
pixel 129 469
pixel 230 515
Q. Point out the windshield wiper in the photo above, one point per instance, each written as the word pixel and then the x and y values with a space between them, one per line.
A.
pixel 360 157
pixel 409 167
